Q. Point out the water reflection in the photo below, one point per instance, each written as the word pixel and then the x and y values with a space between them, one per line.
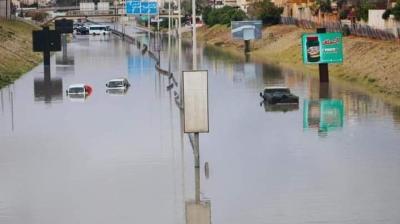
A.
pixel 8 90
pixel 47 89
pixel 279 107
pixel 138 64
pixel 80 98
pixel 117 92
pixel 198 211
pixel 2 100
pixel 65 61
pixel 324 115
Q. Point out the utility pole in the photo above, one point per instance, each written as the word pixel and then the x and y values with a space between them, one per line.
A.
pixel 169 37
pixel 194 50
pixel 196 134
pixel 180 49
pixel 148 17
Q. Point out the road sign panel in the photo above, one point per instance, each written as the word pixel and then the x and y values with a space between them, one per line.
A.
pixel 46 40
pixel 64 25
pixel 322 48
pixel 246 30
pixel 136 7
pixel 195 101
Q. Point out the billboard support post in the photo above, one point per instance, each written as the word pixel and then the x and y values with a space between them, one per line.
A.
pixel 46 51
pixel 246 46
pixel 323 67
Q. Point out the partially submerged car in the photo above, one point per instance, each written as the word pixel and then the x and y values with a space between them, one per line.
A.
pixel 121 83
pixel 279 95
pixel 79 89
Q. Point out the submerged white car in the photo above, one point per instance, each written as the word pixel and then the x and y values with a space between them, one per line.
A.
pixel 79 92
pixel 79 89
pixel 121 83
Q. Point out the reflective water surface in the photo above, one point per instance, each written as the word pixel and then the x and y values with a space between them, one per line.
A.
pixel 121 156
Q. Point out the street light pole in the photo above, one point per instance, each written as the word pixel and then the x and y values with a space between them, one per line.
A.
pixel 179 19
pixel 169 37
pixel 194 50
pixel 148 20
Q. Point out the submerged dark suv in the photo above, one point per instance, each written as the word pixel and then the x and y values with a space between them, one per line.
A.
pixel 281 95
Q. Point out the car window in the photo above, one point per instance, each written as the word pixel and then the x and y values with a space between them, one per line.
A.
pixel 115 84
pixel 76 90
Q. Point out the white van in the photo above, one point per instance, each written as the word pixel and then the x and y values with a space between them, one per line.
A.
pixel 99 29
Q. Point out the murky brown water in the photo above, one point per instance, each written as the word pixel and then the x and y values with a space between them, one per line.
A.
pixel 122 158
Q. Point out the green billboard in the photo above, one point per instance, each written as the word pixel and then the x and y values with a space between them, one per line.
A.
pixel 322 48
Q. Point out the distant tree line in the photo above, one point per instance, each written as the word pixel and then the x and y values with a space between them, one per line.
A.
pixel 222 15
pixel 263 10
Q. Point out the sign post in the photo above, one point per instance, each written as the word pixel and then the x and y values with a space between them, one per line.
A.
pixel 322 48
pixel 323 67
pixel 195 105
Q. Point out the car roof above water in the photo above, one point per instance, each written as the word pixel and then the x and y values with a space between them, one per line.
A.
pixel 79 85
pixel 117 80
pixel 276 88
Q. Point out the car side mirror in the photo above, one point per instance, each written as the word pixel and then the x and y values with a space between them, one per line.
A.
pixel 261 94
pixel 107 85
pixel 66 91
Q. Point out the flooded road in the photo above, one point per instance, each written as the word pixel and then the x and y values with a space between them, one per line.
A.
pixel 122 157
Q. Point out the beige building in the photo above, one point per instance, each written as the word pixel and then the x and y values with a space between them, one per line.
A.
pixel 231 2
pixel 296 8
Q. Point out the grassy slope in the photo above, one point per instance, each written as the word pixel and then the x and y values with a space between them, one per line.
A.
pixel 373 64
pixel 16 56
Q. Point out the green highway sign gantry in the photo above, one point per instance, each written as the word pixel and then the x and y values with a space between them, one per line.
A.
pixel 322 48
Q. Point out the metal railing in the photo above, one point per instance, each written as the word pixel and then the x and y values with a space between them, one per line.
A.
pixel 359 30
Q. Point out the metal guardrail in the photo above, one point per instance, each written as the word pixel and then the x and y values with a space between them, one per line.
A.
pixel 354 29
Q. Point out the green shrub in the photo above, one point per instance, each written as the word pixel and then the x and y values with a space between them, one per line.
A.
pixel 386 14
pixel 266 11
pixel 346 30
pixel 223 15
pixel 344 14
pixel 362 10
pixel 396 11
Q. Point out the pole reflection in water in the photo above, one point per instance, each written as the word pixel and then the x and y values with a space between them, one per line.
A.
pixel 11 94
pixel 65 63
pixel 4 105
pixel 2 100
pixel 198 211
pixel 48 90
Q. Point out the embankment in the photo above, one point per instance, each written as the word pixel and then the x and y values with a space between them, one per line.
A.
pixel 16 56
pixel 373 64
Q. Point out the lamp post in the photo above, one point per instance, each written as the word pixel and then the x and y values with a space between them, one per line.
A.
pixel 169 37
pixel 194 50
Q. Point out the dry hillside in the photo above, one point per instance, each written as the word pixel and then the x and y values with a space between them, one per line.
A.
pixel 376 64
pixel 16 56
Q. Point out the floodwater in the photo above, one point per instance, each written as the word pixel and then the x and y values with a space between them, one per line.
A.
pixel 121 157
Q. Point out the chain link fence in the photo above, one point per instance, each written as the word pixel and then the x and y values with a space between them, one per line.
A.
pixel 353 29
